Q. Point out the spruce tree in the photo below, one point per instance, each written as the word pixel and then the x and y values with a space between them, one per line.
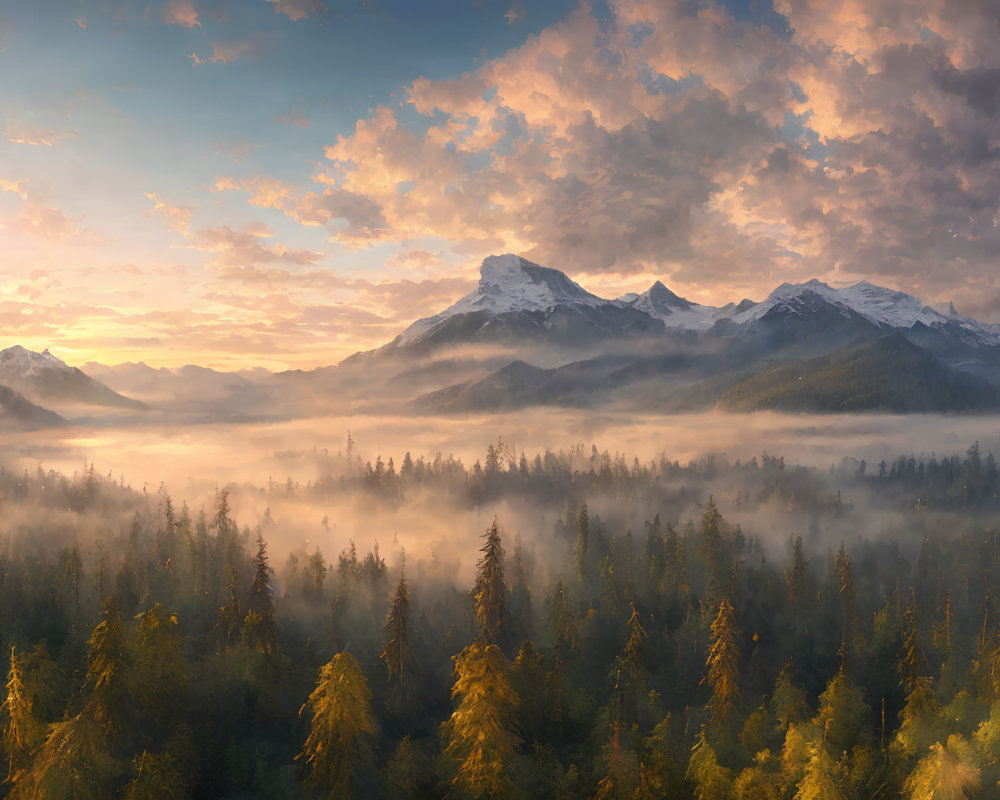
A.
pixel 398 653
pixel 341 731
pixel 723 663
pixel 480 733
pixel 259 623
pixel 21 731
pixel 489 592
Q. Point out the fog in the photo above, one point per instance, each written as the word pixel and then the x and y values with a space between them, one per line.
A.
pixel 274 470
pixel 193 459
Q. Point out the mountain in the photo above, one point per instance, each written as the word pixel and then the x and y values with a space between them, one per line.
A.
pixel 673 311
pixel 886 309
pixel 42 378
pixel 889 374
pixel 518 301
pixel 18 413
pixel 806 346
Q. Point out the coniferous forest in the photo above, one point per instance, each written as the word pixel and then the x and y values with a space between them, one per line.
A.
pixel 713 630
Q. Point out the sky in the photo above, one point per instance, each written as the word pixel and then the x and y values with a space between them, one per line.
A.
pixel 280 183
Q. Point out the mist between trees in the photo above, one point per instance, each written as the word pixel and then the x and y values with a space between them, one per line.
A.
pixel 569 624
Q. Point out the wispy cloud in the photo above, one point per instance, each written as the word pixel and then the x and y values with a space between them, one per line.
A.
pixel 181 12
pixel 252 48
pixel 25 131
pixel 299 9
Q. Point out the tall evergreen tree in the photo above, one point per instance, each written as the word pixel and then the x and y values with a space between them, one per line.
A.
pixel 338 749
pixel 480 735
pixel 259 623
pixel 723 663
pixel 398 653
pixel 21 731
pixel 489 592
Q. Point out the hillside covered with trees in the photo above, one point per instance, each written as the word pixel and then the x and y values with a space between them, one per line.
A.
pixel 735 643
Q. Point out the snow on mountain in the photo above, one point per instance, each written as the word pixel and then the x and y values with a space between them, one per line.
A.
pixel 18 362
pixel 510 283
pixel 674 311
pixel 42 378
pixel 886 308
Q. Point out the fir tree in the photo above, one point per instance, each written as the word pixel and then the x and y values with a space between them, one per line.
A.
pixel 341 731
pixel 480 736
pixel 259 623
pixel 489 592
pixel 21 731
pixel 397 653
pixel 723 663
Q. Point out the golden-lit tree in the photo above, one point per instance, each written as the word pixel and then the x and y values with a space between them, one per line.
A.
pixel 342 728
pixel 948 772
pixel 723 663
pixel 480 736
pixel 21 731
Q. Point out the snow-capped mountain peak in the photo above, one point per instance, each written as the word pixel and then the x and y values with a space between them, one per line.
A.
pixel 20 361
pixel 512 283
pixel 886 308
pixel 671 309
pixel 509 283
pixel 43 379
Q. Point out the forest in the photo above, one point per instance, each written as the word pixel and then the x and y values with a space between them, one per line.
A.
pixel 712 630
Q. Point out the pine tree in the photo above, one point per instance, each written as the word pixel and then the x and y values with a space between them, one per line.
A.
pixel 561 623
pixel 625 778
pixel 314 573
pixel 823 778
pixel 109 697
pixel 948 772
pixel 341 731
pixel 583 558
pixel 161 670
pixel 259 623
pixel 710 548
pixel 157 777
pixel 21 731
pixel 231 615
pixel 912 665
pixel 843 568
pixel 711 780
pixel 479 734
pixel 397 653
pixel 489 591
pixel 723 663
pixel 795 577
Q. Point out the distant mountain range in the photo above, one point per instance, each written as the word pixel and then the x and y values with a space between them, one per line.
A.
pixel 530 336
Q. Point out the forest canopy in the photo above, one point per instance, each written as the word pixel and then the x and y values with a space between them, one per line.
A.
pixel 619 629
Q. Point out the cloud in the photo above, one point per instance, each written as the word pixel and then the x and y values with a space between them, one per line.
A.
pixel 178 217
pixel 670 138
pixel 37 219
pixel 21 131
pixel 181 12
pixel 231 248
pixel 264 192
pixel 299 9
pixel 296 115
pixel 515 13
pixel 15 187
pixel 45 223
pixel 253 48
pixel 414 260
pixel 243 248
